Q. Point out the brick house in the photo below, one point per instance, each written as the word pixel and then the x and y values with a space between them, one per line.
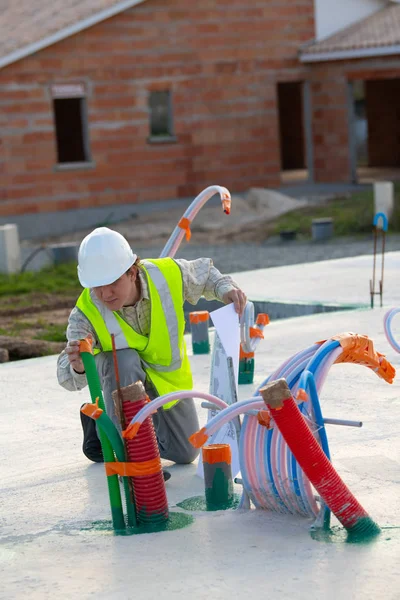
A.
pixel 106 102
pixel 109 103
pixel 354 81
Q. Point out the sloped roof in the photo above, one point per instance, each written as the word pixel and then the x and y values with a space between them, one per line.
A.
pixel 27 26
pixel 378 34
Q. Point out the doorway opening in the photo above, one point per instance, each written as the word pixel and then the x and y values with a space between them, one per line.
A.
pixel 376 129
pixel 292 134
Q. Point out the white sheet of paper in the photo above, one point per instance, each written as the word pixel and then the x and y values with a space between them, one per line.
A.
pixel 226 322
pixel 227 339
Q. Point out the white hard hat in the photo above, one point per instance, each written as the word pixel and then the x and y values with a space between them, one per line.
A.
pixel 104 255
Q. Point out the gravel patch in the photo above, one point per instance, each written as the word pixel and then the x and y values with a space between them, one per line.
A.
pixel 274 253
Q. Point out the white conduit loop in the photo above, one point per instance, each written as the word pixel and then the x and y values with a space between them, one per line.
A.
pixel 387 324
pixel 249 344
pixel 179 232
pixel 154 405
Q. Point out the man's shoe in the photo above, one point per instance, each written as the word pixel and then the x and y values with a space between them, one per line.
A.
pixel 91 446
pixel 167 475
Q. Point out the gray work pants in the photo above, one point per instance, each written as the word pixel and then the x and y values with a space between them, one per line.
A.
pixel 173 427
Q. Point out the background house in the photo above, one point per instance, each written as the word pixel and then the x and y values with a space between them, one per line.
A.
pixel 105 103
pixel 354 79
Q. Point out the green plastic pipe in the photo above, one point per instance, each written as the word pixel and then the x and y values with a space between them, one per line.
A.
pixel 114 493
pixel 117 444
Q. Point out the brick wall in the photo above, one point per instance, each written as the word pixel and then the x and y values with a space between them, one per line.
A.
pixel 330 123
pixel 221 60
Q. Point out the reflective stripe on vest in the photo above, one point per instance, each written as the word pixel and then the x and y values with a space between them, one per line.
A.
pixel 163 352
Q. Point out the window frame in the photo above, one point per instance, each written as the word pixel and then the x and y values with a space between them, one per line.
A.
pixel 66 91
pixel 170 136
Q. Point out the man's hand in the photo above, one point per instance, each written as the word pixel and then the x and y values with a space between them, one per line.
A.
pixel 74 356
pixel 238 298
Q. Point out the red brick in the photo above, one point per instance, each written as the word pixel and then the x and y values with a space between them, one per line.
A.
pixel 11 123
pixel 38 136
pixel 10 96
pixel 26 108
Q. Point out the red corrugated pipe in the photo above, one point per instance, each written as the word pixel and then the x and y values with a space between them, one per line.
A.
pixel 313 460
pixel 149 487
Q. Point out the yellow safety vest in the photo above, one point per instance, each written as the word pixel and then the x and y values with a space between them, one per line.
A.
pixel 162 353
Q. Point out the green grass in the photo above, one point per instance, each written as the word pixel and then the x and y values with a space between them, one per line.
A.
pixel 352 215
pixel 62 279
pixel 16 328
pixel 45 331
pixel 53 333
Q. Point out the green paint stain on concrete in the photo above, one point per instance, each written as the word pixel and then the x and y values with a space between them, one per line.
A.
pixel 175 521
pixel 339 535
pixel 198 503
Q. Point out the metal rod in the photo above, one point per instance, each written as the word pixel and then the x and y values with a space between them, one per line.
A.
pixel 210 406
pixel 114 352
pixel 373 270
pixel 343 422
pixel 238 480
pixel 383 263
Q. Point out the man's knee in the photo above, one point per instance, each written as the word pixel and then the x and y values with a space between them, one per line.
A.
pixel 187 454
pixel 129 366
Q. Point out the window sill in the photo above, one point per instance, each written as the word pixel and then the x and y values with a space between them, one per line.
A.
pixel 74 166
pixel 162 139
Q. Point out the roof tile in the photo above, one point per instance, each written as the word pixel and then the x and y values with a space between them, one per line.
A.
pixel 25 22
pixel 378 30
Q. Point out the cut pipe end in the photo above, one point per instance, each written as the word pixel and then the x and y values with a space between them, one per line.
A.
pixel 275 393
pixel 132 392
pixel 199 438
pixel 217 453
pixel 302 395
pixel 226 205
pixel 92 410
pixel 86 345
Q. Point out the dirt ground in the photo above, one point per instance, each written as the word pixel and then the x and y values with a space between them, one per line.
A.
pixel 251 217
pixel 21 324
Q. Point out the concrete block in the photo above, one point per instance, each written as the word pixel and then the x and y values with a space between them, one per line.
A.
pixel 66 252
pixel 383 199
pixel 322 229
pixel 10 252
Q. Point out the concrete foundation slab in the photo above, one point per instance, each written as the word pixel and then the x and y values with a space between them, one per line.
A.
pixel 51 495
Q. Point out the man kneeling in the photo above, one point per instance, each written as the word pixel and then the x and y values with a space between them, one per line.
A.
pixel 141 303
